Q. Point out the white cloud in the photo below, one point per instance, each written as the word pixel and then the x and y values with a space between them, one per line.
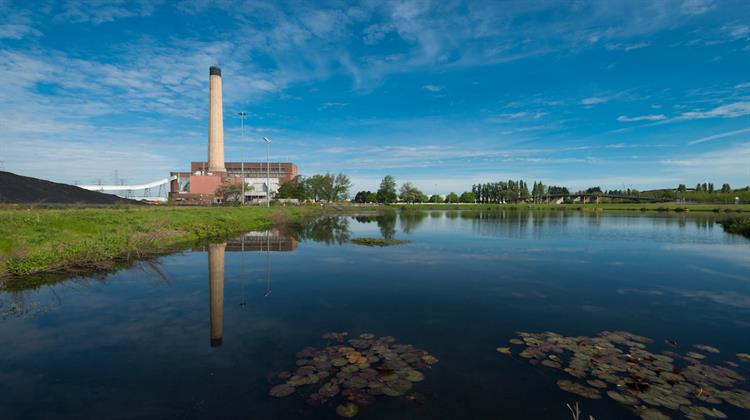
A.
pixel 433 88
pixel 733 110
pixel 730 164
pixel 594 100
pixel 696 7
pixel 736 30
pixel 627 47
pixel 720 136
pixel 102 11
pixel 522 115
pixel 327 105
pixel 653 117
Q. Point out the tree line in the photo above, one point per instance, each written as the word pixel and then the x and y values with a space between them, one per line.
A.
pixel 389 192
pixel 328 187
pixel 335 187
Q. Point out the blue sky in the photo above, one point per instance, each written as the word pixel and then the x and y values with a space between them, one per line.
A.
pixel 627 93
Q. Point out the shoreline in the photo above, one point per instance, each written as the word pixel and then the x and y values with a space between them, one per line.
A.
pixel 85 240
pixel 71 241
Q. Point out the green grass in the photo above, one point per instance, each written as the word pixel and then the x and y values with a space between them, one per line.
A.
pixel 739 226
pixel 45 240
pixel 378 241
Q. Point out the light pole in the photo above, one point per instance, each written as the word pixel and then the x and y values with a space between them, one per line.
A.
pixel 242 115
pixel 268 171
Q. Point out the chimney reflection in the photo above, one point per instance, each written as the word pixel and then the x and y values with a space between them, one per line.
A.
pixel 216 291
pixel 266 242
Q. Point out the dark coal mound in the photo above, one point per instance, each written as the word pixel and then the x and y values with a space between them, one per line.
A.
pixel 26 190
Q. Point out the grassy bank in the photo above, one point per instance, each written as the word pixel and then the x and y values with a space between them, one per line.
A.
pixel 676 207
pixel 44 240
pixel 739 226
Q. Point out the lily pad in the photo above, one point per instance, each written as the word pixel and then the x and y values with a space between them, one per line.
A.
pixel 708 349
pixel 429 359
pixel 652 414
pixel 578 389
pixel 414 376
pixel 347 410
pixel 328 390
pixel 283 390
pixel 504 350
pixel 597 383
pixel 622 398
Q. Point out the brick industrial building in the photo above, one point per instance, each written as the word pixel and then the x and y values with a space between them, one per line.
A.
pixel 200 184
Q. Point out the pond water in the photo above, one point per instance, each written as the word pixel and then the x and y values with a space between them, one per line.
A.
pixel 203 333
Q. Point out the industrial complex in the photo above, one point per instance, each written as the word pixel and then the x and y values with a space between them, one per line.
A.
pixel 199 186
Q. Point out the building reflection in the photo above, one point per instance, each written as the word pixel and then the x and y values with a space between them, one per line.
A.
pixel 270 241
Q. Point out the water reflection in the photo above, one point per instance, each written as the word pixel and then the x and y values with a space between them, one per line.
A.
pixel 267 241
pixel 216 291
pixel 329 230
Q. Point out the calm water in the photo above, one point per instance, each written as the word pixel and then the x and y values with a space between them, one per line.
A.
pixel 196 334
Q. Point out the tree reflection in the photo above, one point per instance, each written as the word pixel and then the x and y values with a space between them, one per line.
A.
pixel 329 230
pixel 410 220
pixel 387 225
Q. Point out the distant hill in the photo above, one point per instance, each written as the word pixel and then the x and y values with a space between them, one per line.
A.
pixel 26 190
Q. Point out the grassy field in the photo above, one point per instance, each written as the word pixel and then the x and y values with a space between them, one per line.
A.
pixel 676 207
pixel 44 240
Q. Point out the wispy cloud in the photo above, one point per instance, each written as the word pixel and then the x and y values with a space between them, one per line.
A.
pixel 515 116
pixel 733 110
pixel 328 105
pixel 594 100
pixel 433 88
pixel 653 117
pixel 627 47
pixel 719 136
pixel 728 163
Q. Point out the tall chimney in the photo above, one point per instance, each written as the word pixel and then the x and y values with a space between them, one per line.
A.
pixel 215 122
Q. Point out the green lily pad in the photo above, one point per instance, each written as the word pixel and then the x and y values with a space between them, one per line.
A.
pixel 347 410
pixel 283 390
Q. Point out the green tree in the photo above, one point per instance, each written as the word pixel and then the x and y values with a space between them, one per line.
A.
pixel 451 198
pixel 387 190
pixel 434 198
pixel 681 188
pixel 294 188
pixel 710 188
pixel 524 189
pixel 329 187
pixel 468 197
pixel 411 194
pixel 698 187
pixel 725 188
pixel 372 197
pixel 362 197
pixel 341 186
pixel 320 186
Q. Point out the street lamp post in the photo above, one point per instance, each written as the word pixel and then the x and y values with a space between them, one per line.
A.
pixel 268 171
pixel 242 115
